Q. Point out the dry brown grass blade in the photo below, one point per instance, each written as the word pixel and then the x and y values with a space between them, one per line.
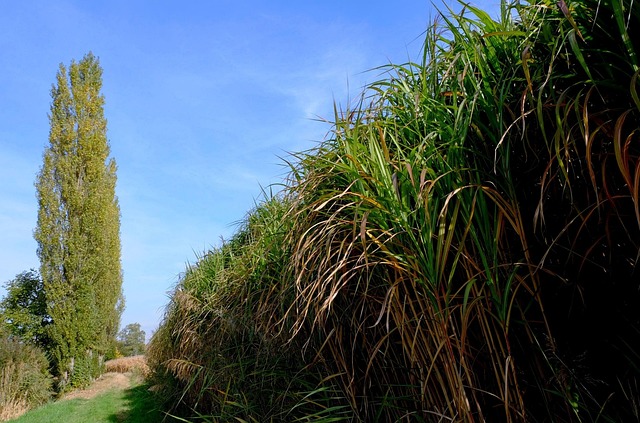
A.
pixel 136 363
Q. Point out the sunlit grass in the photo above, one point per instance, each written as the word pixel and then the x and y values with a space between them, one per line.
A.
pixel 133 405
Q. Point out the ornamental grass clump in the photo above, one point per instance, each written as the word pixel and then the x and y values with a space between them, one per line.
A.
pixel 411 256
pixel 462 247
pixel 25 381
pixel 221 353
pixel 466 241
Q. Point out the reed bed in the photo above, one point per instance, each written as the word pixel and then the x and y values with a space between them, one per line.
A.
pixel 461 248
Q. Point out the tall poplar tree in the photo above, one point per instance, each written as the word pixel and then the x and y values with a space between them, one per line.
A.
pixel 78 230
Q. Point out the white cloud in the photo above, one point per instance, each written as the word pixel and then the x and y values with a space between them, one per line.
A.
pixel 201 100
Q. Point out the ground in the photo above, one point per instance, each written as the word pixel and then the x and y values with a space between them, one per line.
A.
pixel 101 385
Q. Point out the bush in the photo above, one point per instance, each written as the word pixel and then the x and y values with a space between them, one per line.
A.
pixel 86 369
pixel 25 381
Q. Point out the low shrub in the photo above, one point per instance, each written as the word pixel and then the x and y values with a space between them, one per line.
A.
pixel 25 381
pixel 85 370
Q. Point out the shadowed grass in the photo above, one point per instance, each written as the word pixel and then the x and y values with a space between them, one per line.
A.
pixel 141 406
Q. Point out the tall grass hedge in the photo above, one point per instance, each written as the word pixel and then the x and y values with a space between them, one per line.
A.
pixel 25 381
pixel 463 247
pixel 222 352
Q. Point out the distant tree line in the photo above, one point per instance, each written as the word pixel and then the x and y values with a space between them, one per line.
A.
pixel 131 340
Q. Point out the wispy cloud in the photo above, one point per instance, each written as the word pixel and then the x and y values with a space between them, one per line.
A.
pixel 201 100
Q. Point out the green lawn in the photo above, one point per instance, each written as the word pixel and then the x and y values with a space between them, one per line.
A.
pixel 133 405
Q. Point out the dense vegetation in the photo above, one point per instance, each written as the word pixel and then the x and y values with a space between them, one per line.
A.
pixel 63 320
pixel 23 310
pixel 78 229
pixel 25 381
pixel 131 340
pixel 462 248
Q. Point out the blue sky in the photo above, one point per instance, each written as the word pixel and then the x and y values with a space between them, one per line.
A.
pixel 202 98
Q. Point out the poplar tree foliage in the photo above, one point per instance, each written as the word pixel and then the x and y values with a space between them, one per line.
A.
pixel 78 229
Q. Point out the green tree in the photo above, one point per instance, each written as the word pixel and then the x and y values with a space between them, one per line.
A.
pixel 78 230
pixel 131 340
pixel 24 310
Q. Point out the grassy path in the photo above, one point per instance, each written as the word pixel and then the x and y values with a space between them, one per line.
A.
pixel 115 398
